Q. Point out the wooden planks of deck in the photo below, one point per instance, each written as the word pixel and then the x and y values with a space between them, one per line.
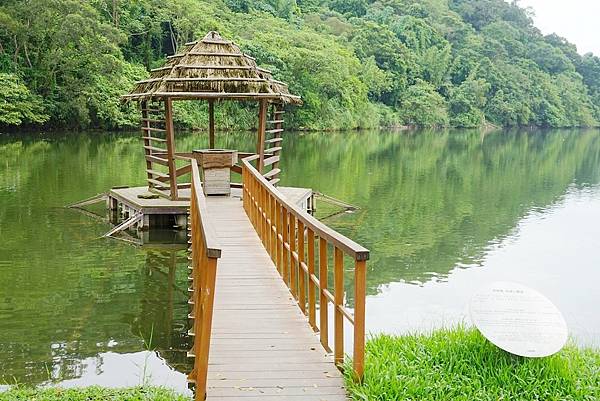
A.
pixel 262 347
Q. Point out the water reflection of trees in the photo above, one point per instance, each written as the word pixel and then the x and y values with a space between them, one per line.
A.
pixel 432 201
pixel 142 306
pixel 65 294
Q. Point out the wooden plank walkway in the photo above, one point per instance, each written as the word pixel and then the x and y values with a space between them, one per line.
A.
pixel 262 347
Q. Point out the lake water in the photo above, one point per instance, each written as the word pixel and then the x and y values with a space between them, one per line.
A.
pixel 443 213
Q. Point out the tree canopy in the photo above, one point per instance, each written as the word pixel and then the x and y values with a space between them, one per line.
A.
pixel 356 63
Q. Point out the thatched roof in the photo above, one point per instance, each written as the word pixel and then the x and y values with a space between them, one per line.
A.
pixel 211 68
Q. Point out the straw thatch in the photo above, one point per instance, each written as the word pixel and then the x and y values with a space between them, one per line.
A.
pixel 211 68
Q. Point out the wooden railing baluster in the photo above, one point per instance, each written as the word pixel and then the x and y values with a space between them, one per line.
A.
pixel 323 305
pixel 338 322
pixel 293 270
pixel 302 269
pixel 279 261
pixel 360 287
pixel 312 295
pixel 285 243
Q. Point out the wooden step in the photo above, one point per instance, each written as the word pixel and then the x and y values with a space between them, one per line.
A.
pixel 273 150
pixel 155 149
pixel 157 173
pixel 150 120
pixel 158 160
pixel 158 184
pixel 153 129
pixel 270 160
pixel 272 173
pixel 274 181
pixel 153 110
pixel 274 131
pixel 152 138
pixel 274 140
pixel 275 121
pixel 279 112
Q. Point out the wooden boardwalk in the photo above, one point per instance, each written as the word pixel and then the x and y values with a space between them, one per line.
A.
pixel 261 347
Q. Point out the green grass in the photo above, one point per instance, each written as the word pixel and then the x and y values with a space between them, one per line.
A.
pixel 461 365
pixel 91 394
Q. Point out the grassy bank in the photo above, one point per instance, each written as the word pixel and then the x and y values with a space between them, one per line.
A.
pixel 461 365
pixel 92 394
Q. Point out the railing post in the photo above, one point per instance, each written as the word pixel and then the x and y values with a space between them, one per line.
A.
pixel 285 231
pixel 293 265
pixel 360 293
pixel 208 298
pixel 245 188
pixel 301 273
pixel 323 323
pixel 312 310
pixel 279 225
pixel 338 275
pixel 272 227
pixel 261 215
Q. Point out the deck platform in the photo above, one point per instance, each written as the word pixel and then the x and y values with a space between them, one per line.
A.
pixel 262 347
pixel 165 213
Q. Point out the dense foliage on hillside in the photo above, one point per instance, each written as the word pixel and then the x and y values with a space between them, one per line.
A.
pixel 356 63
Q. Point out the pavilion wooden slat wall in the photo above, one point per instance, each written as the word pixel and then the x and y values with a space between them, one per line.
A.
pixel 273 145
pixel 153 137
pixel 158 138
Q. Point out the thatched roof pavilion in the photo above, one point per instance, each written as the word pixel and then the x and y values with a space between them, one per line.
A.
pixel 211 69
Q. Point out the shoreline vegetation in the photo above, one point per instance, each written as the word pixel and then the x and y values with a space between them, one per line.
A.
pixel 455 364
pixel 459 364
pixel 93 393
pixel 356 63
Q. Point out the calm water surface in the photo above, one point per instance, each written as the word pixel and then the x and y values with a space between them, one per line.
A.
pixel 443 214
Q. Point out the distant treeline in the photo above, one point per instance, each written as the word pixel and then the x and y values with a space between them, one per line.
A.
pixel 356 63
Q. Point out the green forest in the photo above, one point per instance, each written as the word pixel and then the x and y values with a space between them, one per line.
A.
pixel 356 63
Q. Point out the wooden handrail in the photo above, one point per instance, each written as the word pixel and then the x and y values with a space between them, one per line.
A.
pixel 290 236
pixel 350 247
pixel 205 254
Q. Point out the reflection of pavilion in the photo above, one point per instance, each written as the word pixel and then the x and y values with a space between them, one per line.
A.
pixel 162 321
pixel 130 307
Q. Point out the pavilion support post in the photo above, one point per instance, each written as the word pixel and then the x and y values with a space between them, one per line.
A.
pixel 171 148
pixel 211 124
pixel 262 126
